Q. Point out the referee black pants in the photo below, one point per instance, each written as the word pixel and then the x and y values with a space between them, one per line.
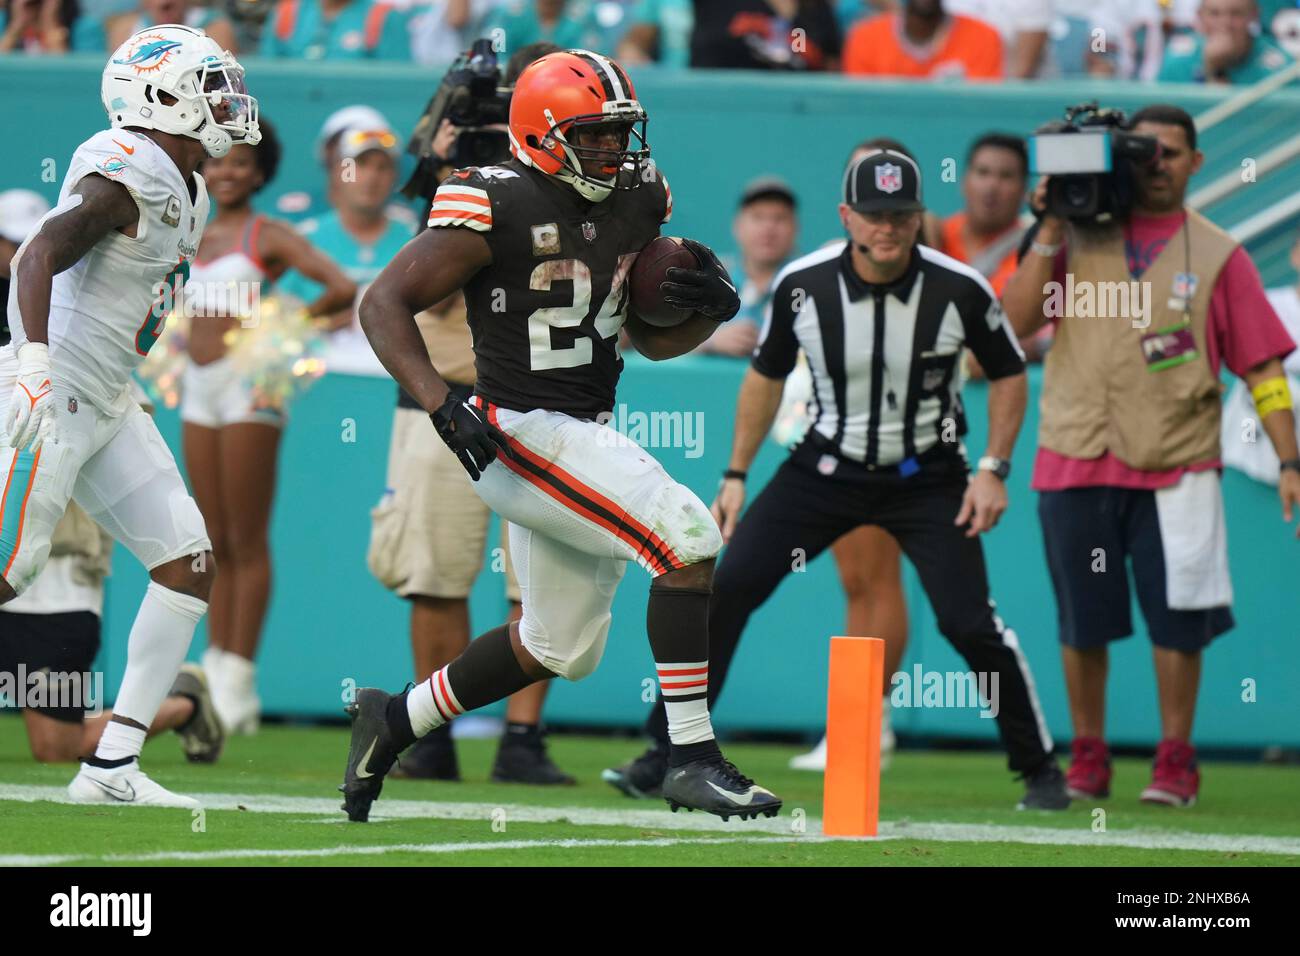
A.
pixel 801 512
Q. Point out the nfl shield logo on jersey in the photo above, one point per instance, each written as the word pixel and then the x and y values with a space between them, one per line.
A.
pixel 72 405
pixel 889 178
pixel 589 231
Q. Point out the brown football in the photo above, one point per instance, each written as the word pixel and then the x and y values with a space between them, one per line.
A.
pixel 649 272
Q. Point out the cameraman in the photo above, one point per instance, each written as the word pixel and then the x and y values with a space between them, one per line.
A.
pixel 1128 460
pixel 429 531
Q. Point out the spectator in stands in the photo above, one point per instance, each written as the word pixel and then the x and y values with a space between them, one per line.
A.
pixel 359 232
pixel 923 40
pixel 1129 453
pixel 442 29
pixel 765 227
pixel 312 203
pixel 336 30
pixel 659 31
pixel 1228 48
pixel 36 26
pixel 568 24
pixel 1023 26
pixel 1123 39
pixel 849 12
pixel 1284 24
pixel 765 35
pixel 988 230
pixel 151 12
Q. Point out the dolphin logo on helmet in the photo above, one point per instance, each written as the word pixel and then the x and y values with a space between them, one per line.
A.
pixel 157 49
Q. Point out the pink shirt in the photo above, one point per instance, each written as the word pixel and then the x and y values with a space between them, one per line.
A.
pixel 1242 331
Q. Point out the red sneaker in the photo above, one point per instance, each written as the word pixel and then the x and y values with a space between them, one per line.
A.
pixel 1176 780
pixel 1089 774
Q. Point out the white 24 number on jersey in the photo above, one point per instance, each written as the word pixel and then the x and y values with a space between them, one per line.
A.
pixel 610 318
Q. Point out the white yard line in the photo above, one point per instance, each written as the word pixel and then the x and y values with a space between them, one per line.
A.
pixel 326 810
pixel 208 856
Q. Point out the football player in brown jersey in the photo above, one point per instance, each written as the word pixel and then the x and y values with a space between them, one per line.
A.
pixel 542 246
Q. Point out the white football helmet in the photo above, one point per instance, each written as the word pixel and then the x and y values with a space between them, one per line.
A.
pixel 196 72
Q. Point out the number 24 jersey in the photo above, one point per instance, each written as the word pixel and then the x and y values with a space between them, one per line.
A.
pixel 546 313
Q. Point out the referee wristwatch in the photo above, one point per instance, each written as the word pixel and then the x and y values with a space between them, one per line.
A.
pixel 999 466
pixel 1291 464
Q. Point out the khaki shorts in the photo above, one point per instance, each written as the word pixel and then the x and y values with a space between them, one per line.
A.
pixel 428 533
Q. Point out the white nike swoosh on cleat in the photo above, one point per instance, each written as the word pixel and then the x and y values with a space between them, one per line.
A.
pixel 749 796
pixel 126 795
pixel 362 772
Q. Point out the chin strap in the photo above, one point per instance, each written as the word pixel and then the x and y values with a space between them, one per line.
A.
pixel 588 190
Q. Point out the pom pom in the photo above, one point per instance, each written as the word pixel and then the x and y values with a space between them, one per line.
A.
pixel 279 352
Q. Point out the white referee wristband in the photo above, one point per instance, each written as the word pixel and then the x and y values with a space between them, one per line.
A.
pixel 1039 249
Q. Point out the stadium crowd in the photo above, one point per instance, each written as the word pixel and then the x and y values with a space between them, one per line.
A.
pixel 1202 41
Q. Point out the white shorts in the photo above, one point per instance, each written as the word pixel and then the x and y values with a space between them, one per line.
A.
pixel 216 395
pixel 583 500
pixel 117 467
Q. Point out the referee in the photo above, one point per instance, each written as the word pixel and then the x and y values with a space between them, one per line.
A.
pixel 882 321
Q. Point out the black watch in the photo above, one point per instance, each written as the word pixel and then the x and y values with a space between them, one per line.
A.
pixel 1291 464
pixel 999 466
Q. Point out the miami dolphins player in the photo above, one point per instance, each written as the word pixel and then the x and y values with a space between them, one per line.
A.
pixel 90 289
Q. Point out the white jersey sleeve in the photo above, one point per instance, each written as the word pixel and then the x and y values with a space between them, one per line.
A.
pixel 108 309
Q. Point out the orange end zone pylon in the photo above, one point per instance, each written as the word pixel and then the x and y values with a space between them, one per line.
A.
pixel 851 798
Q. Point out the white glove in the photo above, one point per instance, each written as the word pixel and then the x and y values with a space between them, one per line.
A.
pixel 31 406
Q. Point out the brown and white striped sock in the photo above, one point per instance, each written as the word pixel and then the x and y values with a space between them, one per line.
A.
pixel 685 690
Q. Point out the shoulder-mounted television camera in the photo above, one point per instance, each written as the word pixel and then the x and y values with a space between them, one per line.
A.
pixel 472 98
pixel 1089 159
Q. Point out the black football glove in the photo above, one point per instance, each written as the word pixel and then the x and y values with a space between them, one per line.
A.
pixel 469 434
pixel 708 290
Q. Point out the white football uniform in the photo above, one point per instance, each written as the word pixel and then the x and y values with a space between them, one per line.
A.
pixel 104 317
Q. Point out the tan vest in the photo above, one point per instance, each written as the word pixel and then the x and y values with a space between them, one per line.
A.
pixel 1098 392
pixel 446 335
pixel 79 536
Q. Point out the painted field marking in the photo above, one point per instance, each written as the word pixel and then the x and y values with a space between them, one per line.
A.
pixel 327 811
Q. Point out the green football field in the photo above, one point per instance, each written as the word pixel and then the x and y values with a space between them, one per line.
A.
pixel 272 800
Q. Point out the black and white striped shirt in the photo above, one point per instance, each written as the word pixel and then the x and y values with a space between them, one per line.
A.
pixel 884 358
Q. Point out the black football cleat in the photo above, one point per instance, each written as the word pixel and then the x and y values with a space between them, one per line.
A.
pixel 715 786
pixel 371 755
pixel 525 760
pixel 642 777
pixel 1045 789
pixel 432 757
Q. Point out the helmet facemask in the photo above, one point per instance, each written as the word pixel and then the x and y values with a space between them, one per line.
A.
pixel 222 83
pixel 630 120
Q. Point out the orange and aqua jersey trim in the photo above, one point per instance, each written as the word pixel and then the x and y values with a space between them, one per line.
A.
pixel 18 484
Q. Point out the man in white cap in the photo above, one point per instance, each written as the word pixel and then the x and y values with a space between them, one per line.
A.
pixel 303 204
pixel 360 230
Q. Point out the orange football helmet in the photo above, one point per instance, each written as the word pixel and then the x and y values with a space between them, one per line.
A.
pixel 563 91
